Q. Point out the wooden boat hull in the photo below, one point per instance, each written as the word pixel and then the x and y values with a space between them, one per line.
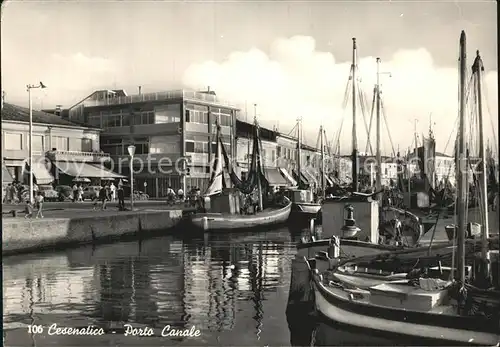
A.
pixel 228 222
pixel 337 305
pixel 349 248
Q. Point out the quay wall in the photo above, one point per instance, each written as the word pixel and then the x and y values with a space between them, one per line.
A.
pixel 23 235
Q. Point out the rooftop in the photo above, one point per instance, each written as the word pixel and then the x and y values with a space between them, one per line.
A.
pixel 114 98
pixel 16 113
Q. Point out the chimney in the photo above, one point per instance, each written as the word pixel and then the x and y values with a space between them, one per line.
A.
pixel 140 88
pixel 208 89
pixel 58 110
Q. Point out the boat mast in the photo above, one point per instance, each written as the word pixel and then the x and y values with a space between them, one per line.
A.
pixel 461 166
pixel 322 162
pixel 378 183
pixel 259 163
pixel 355 181
pixel 477 69
pixel 299 146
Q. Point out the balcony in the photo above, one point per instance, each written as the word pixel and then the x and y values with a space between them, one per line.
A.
pixel 160 96
pixel 89 157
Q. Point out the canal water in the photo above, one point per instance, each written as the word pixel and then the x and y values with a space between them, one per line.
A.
pixel 232 288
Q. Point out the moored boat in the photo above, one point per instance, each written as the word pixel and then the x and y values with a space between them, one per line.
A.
pixel 230 209
pixel 419 297
pixel 229 222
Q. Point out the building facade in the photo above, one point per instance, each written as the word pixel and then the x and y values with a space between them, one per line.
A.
pixel 53 138
pixel 173 134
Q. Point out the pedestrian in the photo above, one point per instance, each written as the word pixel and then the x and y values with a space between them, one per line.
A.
pixel 39 204
pixel 103 197
pixel 8 194
pixel 113 191
pixel 28 209
pixel 121 198
pixel 75 193
pixel 170 196
pixel 80 193
pixel 180 194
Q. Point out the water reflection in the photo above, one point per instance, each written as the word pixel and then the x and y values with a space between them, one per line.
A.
pixel 233 288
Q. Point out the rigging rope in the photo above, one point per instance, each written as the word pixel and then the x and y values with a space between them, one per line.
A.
pixel 371 120
pixel 364 106
pixel 387 127
pixel 344 105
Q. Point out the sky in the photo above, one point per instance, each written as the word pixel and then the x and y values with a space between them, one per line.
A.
pixel 291 59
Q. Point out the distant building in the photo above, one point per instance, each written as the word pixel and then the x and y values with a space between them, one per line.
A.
pixel 60 141
pixel 165 128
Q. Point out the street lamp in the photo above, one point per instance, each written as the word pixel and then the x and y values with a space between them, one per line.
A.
pixel 29 87
pixel 131 152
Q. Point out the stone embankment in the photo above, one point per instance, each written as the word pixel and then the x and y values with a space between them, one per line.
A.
pixel 24 235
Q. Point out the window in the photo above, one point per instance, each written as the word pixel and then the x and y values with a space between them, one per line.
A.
pixel 75 144
pixel 190 146
pixel 168 114
pixel 61 143
pixel 94 120
pixel 87 145
pixel 196 147
pixel 37 142
pixel 111 121
pixel 196 116
pixel 13 141
pixel 162 144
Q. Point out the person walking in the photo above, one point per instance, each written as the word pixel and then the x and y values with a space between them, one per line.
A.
pixel 103 197
pixel 39 204
pixel 112 187
pixel 80 193
pixel 75 193
pixel 28 209
pixel 121 198
pixel 180 194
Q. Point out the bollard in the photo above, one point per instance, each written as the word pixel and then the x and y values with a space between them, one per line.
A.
pixel 311 227
pixel 205 223
pixel 334 247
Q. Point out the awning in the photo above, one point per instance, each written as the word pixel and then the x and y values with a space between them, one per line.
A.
pixel 329 181
pixel 6 176
pixel 274 177
pixel 77 169
pixel 303 178
pixel 41 174
pixel 288 177
pixel 310 177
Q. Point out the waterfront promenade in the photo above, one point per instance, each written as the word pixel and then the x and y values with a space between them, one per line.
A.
pixel 77 223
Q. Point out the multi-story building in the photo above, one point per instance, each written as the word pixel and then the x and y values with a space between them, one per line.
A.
pixel 173 134
pixel 275 174
pixel 62 141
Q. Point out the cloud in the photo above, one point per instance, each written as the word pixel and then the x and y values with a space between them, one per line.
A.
pixel 81 61
pixel 295 80
pixel 73 76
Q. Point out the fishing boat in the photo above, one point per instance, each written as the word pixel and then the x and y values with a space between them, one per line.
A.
pixel 304 206
pixel 399 228
pixel 224 207
pixel 404 296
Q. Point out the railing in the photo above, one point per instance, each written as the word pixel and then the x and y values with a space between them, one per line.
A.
pixel 176 94
pixel 77 155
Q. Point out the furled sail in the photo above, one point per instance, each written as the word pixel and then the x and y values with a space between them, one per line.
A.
pixel 217 178
pixel 256 171
pixel 426 156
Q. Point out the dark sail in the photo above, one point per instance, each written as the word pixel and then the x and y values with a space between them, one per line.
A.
pixel 426 162
pixel 255 171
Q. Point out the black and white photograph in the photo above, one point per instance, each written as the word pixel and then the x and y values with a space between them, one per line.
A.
pixel 250 173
